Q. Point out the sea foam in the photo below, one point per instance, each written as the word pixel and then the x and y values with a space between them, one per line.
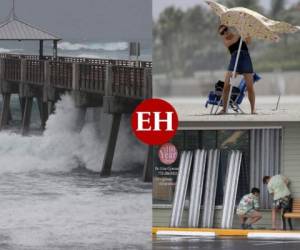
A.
pixel 62 147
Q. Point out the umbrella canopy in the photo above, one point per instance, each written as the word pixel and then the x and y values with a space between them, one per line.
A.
pixel 250 23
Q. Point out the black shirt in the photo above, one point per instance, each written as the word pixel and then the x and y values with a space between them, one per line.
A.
pixel 234 47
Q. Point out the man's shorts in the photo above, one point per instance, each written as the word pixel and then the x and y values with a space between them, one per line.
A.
pixel 248 213
pixel 282 203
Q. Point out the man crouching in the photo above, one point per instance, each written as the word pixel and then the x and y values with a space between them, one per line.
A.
pixel 247 209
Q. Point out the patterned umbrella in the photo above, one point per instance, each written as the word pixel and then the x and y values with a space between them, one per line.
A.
pixel 250 24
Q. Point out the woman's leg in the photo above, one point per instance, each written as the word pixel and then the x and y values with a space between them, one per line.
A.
pixel 251 92
pixel 226 90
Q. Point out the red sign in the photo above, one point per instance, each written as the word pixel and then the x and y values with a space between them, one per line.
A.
pixel 154 121
pixel 167 153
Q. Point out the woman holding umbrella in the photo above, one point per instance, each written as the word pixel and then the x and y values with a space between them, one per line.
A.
pixel 231 41
pixel 248 23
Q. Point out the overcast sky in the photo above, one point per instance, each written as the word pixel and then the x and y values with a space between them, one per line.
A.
pixel 160 5
pixel 88 19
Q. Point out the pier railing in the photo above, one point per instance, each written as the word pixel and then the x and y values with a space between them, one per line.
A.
pixel 105 77
pixel 34 71
pixel 127 81
pixel 61 75
pixel 92 78
pixel 12 69
pixel 142 64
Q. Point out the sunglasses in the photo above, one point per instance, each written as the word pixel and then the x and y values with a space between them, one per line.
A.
pixel 223 31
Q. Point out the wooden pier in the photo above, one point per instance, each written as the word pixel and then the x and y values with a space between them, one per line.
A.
pixel 116 85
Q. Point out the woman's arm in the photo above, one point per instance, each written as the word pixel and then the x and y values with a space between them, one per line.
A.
pixel 248 40
pixel 231 39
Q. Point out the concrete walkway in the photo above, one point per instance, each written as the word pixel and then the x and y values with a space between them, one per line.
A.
pixel 228 243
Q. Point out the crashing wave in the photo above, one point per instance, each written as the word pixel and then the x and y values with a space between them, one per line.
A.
pixel 63 148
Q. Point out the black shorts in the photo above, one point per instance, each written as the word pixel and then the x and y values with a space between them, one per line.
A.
pixel 283 203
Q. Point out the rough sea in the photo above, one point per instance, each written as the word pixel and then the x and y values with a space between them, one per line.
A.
pixel 51 194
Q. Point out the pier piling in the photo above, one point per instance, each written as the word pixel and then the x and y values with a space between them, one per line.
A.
pixel 111 145
pixel 80 119
pixel 27 115
pixel 148 166
pixel 5 110
pixel 43 110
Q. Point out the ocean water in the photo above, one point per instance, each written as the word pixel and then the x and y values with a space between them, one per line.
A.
pixel 52 196
pixel 98 48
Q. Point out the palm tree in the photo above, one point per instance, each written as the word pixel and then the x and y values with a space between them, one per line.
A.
pixel 167 34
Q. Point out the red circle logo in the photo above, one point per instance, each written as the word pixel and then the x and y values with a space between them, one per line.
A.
pixel 167 153
pixel 154 121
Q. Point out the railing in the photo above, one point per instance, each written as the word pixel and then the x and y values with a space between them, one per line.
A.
pixel 12 69
pixel 92 78
pixel 104 79
pixel 61 75
pixel 127 81
pixel 34 71
pixel 142 64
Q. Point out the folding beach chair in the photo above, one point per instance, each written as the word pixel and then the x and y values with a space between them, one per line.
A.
pixel 236 98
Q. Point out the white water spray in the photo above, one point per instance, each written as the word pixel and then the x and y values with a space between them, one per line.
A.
pixel 62 148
